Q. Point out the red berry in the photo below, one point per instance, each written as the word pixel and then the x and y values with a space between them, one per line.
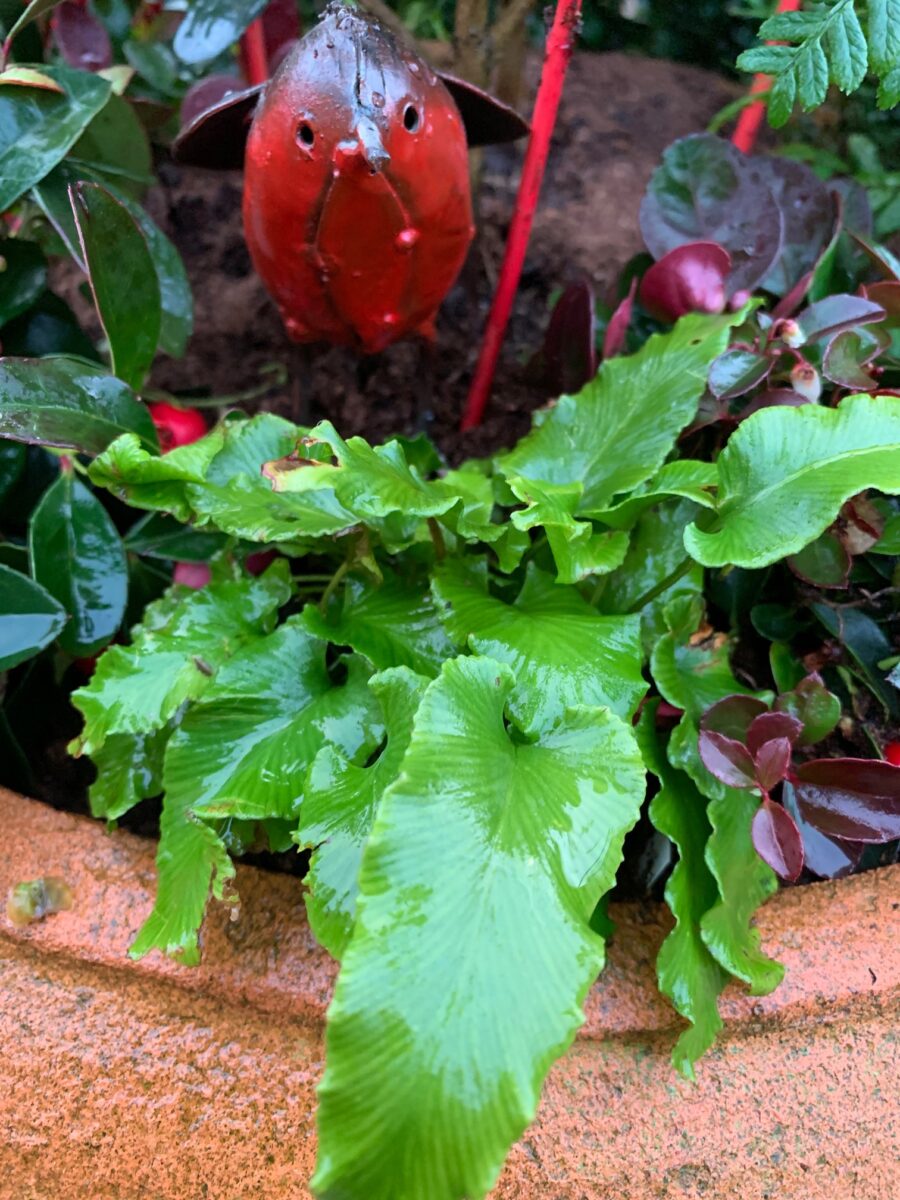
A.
pixel 892 753
pixel 192 575
pixel 176 426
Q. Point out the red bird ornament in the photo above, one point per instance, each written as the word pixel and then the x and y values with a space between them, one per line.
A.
pixel 357 205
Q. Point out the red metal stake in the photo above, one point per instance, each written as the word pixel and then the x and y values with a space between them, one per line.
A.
pixel 253 52
pixel 560 44
pixel 747 129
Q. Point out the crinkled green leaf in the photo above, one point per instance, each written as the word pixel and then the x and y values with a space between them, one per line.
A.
pixel 743 879
pixel 29 618
pixel 684 477
pixel 129 769
pixel 394 623
pixel 690 664
pixel 786 472
pixel 339 807
pixel 687 972
pixel 60 401
pixel 76 554
pixel 38 127
pixel 174 654
pixel 618 430
pixel 155 481
pixel 243 753
pixel 450 1007
pixel 578 550
pixel 562 652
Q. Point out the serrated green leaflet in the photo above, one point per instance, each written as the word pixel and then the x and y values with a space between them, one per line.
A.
pixel 174 654
pixel 562 652
pixel 69 402
pixel 38 127
pixel 786 472
pixel 617 432
pixel 744 880
pixel 243 753
pixel 440 956
pixel 687 972
pixel 393 623
pixel 339 806
pixel 76 554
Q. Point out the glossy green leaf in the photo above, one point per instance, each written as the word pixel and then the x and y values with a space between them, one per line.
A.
pixel 687 972
pixel 31 12
pixel 690 664
pixel 23 275
pixel 77 555
pixel 394 624
pixel 656 555
pixel 339 807
pixel 123 280
pixel 184 639
pixel 210 26
pixel 578 550
pixel 786 472
pixel 868 645
pixel 617 432
pixel 177 316
pixel 116 142
pixel 244 752
pixel 562 652
pixel 48 327
pixel 441 958
pixel 744 880
pixel 29 618
pixel 12 464
pixel 160 536
pixel 684 477
pixel 129 769
pixel 39 127
pixel 68 402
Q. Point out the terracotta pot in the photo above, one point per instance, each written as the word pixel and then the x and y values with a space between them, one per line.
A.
pixel 149 1081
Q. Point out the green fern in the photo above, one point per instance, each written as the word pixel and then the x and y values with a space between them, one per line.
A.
pixel 828 44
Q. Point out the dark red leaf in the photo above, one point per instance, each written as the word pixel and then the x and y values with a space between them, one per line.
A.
pixel 80 37
pixel 777 840
pixel 281 27
pixel 856 799
pixel 690 278
pixel 773 398
pixel 568 356
pixel 772 725
pixel 737 371
pixel 813 705
pixel 773 760
pixel 206 93
pixel 733 716
pixel 850 352
pixel 822 855
pixel 788 305
pixel 808 212
pixel 887 294
pixel 614 337
pixel 728 760
pixel 834 313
